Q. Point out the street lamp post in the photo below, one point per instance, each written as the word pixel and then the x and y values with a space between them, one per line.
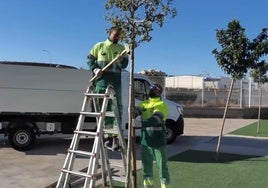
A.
pixel 49 55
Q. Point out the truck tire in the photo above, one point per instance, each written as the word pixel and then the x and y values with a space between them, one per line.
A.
pixel 171 133
pixel 180 125
pixel 21 138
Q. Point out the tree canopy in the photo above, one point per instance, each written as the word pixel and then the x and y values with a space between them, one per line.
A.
pixel 137 17
pixel 234 58
pixel 259 48
pixel 238 53
pixel 259 72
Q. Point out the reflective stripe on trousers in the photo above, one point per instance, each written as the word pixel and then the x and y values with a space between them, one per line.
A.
pixel 154 128
pixel 149 183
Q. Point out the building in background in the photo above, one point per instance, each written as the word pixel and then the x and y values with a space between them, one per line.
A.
pixel 210 91
pixel 199 82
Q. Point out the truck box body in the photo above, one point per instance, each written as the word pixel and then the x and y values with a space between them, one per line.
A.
pixel 41 89
pixel 37 100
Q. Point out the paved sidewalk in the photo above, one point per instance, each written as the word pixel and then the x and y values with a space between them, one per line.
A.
pixel 234 144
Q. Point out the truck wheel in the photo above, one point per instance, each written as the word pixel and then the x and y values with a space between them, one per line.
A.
pixel 171 134
pixel 21 138
pixel 180 125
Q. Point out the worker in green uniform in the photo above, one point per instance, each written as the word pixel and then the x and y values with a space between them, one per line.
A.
pixel 153 113
pixel 100 55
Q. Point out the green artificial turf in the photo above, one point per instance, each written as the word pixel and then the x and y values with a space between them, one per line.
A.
pixel 251 130
pixel 199 169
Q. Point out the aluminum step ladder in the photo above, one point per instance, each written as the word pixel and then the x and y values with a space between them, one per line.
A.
pixel 99 155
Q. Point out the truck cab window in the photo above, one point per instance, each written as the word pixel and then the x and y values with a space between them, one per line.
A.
pixel 141 89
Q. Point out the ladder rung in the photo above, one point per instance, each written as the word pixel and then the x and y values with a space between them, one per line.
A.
pixel 109 114
pixel 76 182
pixel 91 114
pixel 88 133
pixel 110 131
pixel 77 173
pixel 98 114
pixel 82 153
pixel 97 95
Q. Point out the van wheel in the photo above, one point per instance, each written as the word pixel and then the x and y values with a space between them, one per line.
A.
pixel 171 134
pixel 21 138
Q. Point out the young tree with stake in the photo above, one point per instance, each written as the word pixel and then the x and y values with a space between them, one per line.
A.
pixel 258 75
pixel 137 19
pixel 237 55
pixel 233 59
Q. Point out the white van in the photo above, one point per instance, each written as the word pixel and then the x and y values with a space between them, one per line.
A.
pixel 175 121
pixel 39 98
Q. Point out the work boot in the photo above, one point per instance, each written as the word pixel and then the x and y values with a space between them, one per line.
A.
pixel 148 182
pixel 163 185
pixel 116 145
pixel 108 142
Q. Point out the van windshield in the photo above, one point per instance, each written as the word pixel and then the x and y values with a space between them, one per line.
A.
pixel 141 89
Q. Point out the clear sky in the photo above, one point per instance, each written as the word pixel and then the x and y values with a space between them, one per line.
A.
pixel 64 31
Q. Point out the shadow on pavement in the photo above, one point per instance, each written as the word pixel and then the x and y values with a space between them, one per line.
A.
pixel 194 156
pixel 233 148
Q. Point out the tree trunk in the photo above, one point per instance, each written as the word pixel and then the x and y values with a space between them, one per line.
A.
pixel 224 117
pixel 131 148
pixel 259 112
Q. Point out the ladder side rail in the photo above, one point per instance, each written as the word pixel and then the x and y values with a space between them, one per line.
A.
pixel 74 143
pixel 92 167
pixel 102 159
pixel 96 147
pixel 96 108
pixel 120 133
pixel 81 120
pixel 106 169
pixel 119 123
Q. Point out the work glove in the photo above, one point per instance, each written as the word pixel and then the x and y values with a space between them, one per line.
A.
pixel 137 111
pixel 154 121
pixel 122 62
pixel 98 72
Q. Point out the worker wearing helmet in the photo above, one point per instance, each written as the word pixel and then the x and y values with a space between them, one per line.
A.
pixel 153 139
pixel 100 55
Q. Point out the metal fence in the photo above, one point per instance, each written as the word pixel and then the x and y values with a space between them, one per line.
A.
pixel 200 91
pixel 217 97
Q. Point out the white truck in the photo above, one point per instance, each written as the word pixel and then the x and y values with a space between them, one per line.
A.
pixel 38 98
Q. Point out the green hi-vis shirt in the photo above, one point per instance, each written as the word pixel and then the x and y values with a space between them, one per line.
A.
pixel 102 54
pixel 155 134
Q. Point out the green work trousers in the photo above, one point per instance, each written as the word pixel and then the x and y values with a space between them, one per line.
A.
pixel 148 155
pixel 110 121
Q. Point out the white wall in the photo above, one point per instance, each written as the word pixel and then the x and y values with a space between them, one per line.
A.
pixel 189 82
